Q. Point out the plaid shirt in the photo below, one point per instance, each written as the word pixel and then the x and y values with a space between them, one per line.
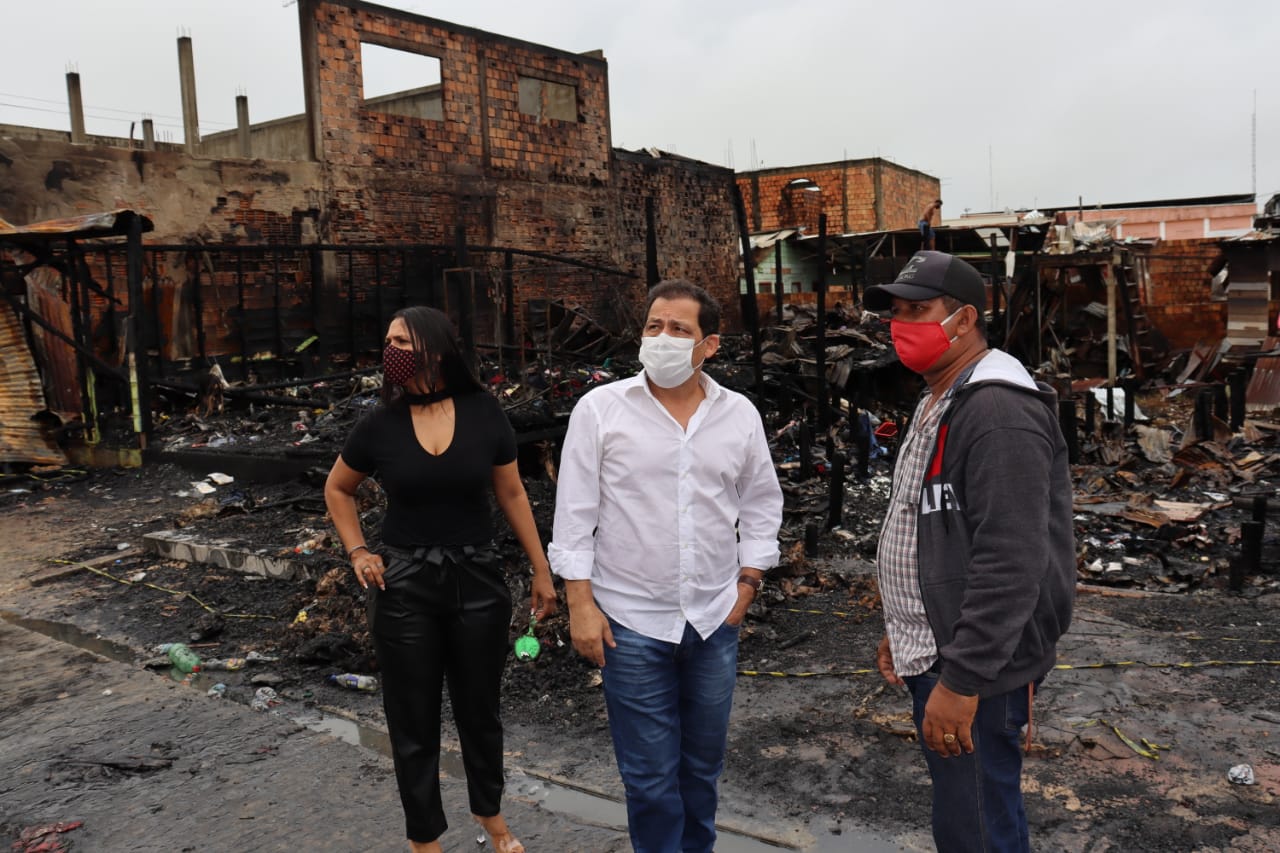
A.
pixel 910 638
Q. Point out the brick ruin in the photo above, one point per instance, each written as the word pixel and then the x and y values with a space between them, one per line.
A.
pixel 510 149
pixel 856 195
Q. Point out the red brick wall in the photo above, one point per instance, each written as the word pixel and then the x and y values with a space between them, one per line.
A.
pixel 856 195
pixel 511 179
pixel 695 224
pixel 483 129
pixel 1179 304
pixel 906 193
pixel 400 177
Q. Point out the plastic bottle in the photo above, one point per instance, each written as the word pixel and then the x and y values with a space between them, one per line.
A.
pixel 363 683
pixel 527 645
pixel 183 658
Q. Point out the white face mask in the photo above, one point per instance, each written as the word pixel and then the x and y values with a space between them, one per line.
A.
pixel 667 360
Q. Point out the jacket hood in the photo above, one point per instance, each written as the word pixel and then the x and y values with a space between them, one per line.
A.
pixel 997 366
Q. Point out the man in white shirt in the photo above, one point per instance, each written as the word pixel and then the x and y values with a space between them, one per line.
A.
pixel 667 516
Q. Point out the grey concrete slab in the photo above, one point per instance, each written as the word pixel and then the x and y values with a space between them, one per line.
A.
pixel 225 553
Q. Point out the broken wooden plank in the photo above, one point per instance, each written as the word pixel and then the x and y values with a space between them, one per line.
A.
pixel 60 572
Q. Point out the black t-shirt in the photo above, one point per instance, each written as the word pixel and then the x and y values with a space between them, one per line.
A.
pixel 435 500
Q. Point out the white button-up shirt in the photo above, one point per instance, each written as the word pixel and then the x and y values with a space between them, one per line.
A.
pixel 661 519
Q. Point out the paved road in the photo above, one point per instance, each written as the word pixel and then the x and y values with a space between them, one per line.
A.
pixel 152 765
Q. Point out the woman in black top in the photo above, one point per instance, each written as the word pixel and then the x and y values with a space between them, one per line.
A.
pixel 441 609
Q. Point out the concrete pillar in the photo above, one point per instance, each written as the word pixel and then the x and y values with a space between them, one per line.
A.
pixel 309 42
pixel 187 78
pixel 76 105
pixel 242 125
pixel 148 135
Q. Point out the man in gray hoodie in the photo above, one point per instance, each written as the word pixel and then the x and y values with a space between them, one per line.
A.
pixel 976 560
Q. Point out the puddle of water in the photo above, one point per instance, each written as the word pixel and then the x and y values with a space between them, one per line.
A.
pixel 73 636
pixel 601 810
pixel 552 796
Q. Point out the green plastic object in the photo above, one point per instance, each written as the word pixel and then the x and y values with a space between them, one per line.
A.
pixel 527 645
pixel 183 658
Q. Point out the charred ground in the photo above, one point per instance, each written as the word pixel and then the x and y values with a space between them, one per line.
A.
pixel 819 745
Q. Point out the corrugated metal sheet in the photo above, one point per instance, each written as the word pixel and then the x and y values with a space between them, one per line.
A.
pixel 20 398
pixel 1263 393
pixel 89 225
pixel 765 241
pixel 56 357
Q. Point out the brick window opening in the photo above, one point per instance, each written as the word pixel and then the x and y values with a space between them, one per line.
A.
pixel 800 204
pixel 545 100
pixel 398 82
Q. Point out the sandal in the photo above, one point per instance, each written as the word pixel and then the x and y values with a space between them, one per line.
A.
pixel 504 841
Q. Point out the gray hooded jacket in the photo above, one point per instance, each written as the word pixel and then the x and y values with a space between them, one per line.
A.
pixel 995 541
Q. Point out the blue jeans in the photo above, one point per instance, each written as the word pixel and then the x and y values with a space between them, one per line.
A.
pixel 669 715
pixel 977 797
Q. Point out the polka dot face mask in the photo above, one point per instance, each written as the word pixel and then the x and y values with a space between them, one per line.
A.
pixel 400 366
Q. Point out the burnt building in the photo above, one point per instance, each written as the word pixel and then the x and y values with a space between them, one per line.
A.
pixel 489 187
pixel 510 148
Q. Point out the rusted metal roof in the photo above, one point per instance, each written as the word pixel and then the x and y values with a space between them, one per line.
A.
pixel 1263 393
pixel 21 439
pixel 107 224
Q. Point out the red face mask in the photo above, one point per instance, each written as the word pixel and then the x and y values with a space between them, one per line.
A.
pixel 400 366
pixel 920 345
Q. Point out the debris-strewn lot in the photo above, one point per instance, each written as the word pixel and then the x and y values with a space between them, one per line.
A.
pixel 1168 676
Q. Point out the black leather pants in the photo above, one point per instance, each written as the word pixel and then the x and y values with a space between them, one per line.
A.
pixel 445 614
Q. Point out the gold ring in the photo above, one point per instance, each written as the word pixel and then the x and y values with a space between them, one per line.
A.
pixel 948 738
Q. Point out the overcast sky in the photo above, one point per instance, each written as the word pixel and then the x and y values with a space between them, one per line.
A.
pixel 1010 104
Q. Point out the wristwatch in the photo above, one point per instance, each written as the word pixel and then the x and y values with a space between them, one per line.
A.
pixel 751 581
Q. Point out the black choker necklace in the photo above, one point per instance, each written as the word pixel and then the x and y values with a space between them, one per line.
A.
pixel 426 399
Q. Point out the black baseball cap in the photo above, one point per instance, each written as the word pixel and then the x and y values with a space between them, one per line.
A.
pixel 929 275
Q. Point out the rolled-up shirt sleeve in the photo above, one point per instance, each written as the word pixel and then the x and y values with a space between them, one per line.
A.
pixel 760 497
pixel 572 550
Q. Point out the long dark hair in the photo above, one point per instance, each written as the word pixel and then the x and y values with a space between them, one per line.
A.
pixel 432 334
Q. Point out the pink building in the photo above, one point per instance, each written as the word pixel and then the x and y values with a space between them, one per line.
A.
pixel 1178 219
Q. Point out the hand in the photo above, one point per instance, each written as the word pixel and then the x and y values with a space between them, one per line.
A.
pixel 368 568
pixel 746 595
pixel 589 629
pixel 542 598
pixel 948 713
pixel 884 662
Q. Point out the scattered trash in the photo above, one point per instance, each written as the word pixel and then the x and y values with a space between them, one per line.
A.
pixel 137 577
pixel 527 645
pixel 258 657
pixel 182 657
pixel 269 679
pixel 221 479
pixel 217 691
pixel 308 546
pixel 223 665
pixel 1241 774
pixel 42 839
pixel 107 692
pixel 122 546
pixel 264 699
pixel 363 683
pixel 204 488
